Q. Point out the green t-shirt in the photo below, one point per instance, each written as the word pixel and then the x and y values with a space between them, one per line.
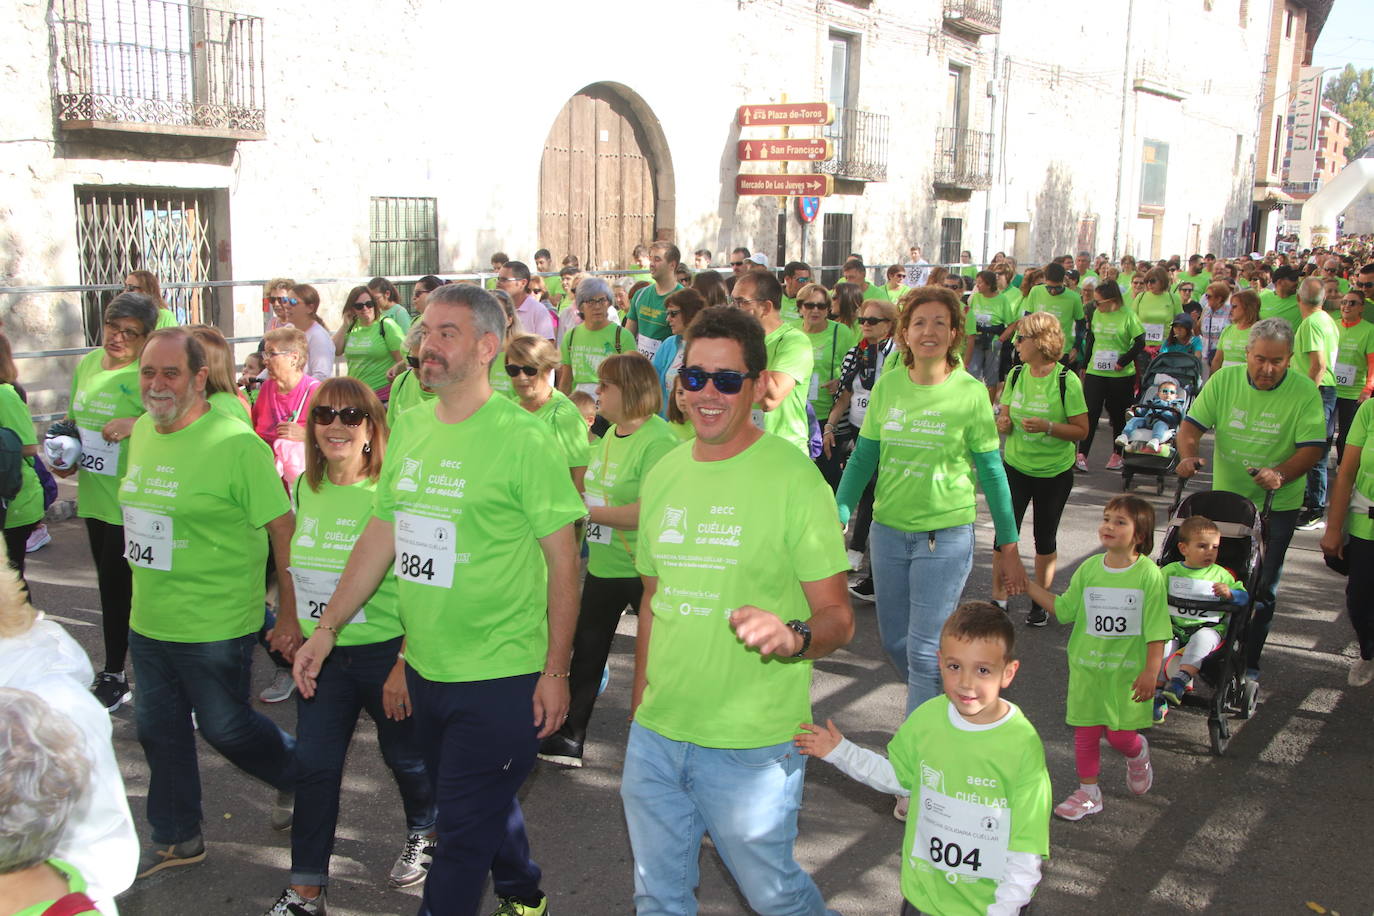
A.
pixel 1200 282
pixel 99 396
pixel 789 352
pixel 568 427
pixel 1067 308
pixel 166 318
pixel 1232 344
pixel 1361 436
pixel 1156 312
pixel 399 314
pixel 327 525
pixel 926 434
pixel 614 478
pixel 1271 306
pixel 406 392
pixel 27 505
pixel 1179 581
pixel 716 541
pixel 498 379
pixel 75 885
pixel 647 310
pixel 992 787
pixel 468 503
pixel 1024 395
pixel 1115 613
pixel 1352 358
pixel 895 295
pixel 228 403
pixel 828 347
pixel 790 313
pixel 1317 333
pixel 986 312
pixel 193 528
pixel 1259 429
pixel 368 349
pixel 584 350
pixel 554 285
pixel 1113 334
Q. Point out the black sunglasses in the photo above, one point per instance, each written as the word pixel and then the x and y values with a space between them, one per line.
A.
pixel 867 320
pixel 513 370
pixel 815 305
pixel 283 300
pixel 728 381
pixel 324 415
pixel 736 263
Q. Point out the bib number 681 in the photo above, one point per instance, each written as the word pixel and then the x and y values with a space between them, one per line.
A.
pixel 951 855
pixel 413 566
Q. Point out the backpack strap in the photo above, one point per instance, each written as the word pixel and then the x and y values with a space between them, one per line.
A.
pixel 617 339
pixel 70 905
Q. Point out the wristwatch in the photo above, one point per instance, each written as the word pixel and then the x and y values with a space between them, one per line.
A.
pixel 802 630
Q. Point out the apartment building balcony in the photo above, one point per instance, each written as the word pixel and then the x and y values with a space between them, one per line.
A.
pixel 963 159
pixel 974 18
pixel 860 139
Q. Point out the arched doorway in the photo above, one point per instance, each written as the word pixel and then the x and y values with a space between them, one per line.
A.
pixel 605 179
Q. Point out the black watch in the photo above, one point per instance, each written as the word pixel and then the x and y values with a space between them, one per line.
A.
pixel 802 630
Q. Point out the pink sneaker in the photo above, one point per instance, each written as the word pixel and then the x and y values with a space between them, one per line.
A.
pixel 1139 774
pixel 1078 805
pixel 1114 463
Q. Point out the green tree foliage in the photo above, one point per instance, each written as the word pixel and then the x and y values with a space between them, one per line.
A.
pixel 1352 95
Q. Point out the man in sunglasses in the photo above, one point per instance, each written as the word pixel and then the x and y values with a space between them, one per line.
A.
pixel 780 404
pixel 744 585
pixel 474 517
pixel 795 275
pixel 647 322
pixel 194 539
pixel 514 278
pixel 739 262
pixel 1364 281
pixel 1064 304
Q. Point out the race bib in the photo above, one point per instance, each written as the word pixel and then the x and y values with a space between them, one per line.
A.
pixel 815 389
pixel 858 406
pixel 1190 589
pixel 425 550
pixel 313 591
pixel 1106 360
pixel 647 345
pixel 757 416
pixel 148 539
pixel 1154 333
pixel 598 534
pixel 97 455
pixel 1345 375
pixel 961 837
pixel 1113 612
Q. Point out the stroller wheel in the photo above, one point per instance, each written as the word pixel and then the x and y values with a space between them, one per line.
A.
pixel 1220 733
pixel 1159 486
pixel 1249 699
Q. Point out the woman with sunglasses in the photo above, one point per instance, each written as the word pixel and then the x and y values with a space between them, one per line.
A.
pixel 370 342
pixel 637 439
pixel 1115 337
pixel 105 402
pixel 830 341
pixel 1354 368
pixel 680 309
pixel 1156 307
pixel 302 310
pixel 345 443
pixel 927 428
pixel 280 409
pixel 145 282
pixel 530 361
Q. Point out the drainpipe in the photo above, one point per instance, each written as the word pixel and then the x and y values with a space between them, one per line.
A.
pixel 994 91
pixel 1125 99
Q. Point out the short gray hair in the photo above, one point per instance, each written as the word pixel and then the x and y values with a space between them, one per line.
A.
pixel 44 774
pixel 1275 329
pixel 593 288
pixel 487 315
pixel 1316 298
pixel 133 305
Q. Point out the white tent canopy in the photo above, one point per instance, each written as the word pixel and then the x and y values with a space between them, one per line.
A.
pixel 1321 209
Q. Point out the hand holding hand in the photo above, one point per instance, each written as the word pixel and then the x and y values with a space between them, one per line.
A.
pixel 816 740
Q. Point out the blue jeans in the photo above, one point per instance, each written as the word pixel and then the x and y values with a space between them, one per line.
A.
pixel 918 577
pixel 1314 496
pixel 350 680
pixel 1277 537
pixel 1158 429
pixel 478 740
pixel 211 678
pixel 675 792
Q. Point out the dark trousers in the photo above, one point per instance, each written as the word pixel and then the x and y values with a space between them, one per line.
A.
pixel 1277 536
pixel 350 681
pixel 603 600
pixel 16 543
pixel 1345 415
pixel 832 468
pixel 1314 495
pixel 1359 592
pixel 1049 494
pixel 1116 394
pixel 116 585
pixel 479 745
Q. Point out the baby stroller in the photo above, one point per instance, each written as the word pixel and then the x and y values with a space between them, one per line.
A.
pixel 1183 370
pixel 1242 552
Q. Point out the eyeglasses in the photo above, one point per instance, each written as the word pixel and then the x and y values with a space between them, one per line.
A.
pixel 280 300
pixel 369 304
pixel 513 370
pixel 1054 290
pixel 131 288
pixel 869 321
pixel 741 303
pixel 273 354
pixel 115 332
pixel 728 381
pixel 815 305
pixel 672 313
pixel 599 300
pixel 1369 285
pixel 324 415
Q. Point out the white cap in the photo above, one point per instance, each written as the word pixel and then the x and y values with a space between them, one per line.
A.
pixel 1255 255
pixel 62 451
pixel 759 258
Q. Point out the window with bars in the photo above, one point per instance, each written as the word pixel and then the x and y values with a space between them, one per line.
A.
pixel 951 240
pixel 167 231
pixel 403 239
pixel 837 241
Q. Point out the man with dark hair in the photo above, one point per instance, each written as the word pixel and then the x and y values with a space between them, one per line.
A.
pixel 701 259
pixel 647 320
pixel 514 277
pixel 543 263
pixel 1364 281
pixel 1282 300
pixel 739 261
pixel 1199 277
pixel 715 706
pixel 795 275
pixel 1064 304
pixel 1083 264
pixel 782 398
pixel 854 272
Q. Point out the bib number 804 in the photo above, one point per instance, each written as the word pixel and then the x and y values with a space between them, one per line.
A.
pixel 1107 624
pixel 413 566
pixel 951 855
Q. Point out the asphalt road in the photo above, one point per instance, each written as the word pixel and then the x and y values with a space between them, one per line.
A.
pixel 1277 824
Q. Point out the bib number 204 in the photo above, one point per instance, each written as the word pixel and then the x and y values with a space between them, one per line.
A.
pixel 413 566
pixel 1106 623
pixel 139 554
pixel 952 855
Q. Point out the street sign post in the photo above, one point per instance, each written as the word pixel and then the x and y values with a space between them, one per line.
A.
pixel 785 185
pixel 788 113
pixel 786 150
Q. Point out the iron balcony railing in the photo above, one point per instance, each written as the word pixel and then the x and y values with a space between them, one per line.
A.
pixel 860 139
pixel 979 17
pixel 158 66
pixel 963 158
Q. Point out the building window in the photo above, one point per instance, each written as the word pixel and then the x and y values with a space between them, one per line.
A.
pixel 1087 234
pixel 1154 173
pixel 956 93
pixel 837 241
pixel 1288 24
pixel 403 238
pixel 782 239
pixel 165 230
pixel 951 240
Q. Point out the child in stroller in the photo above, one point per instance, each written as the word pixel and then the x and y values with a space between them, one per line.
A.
pixel 1152 424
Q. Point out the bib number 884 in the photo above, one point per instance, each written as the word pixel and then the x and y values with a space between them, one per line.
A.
pixel 413 566
pixel 951 855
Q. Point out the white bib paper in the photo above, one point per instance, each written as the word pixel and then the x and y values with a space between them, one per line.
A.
pixel 425 550
pixel 1190 589
pixel 1154 333
pixel 97 455
pixel 815 389
pixel 1106 360
pixel 313 591
pixel 1113 612
pixel 647 345
pixel 1345 375
pixel 598 534
pixel 148 539
pixel 961 837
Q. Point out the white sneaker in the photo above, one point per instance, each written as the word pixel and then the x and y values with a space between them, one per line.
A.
pixel 899 810
pixel 856 560
pixel 38 537
pixel 1081 462
pixel 280 689
pixel 1121 440
pixel 1361 673
pixel 1152 447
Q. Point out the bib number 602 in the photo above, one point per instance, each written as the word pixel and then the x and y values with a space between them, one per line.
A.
pixel 1105 623
pixel 952 855
pixel 413 566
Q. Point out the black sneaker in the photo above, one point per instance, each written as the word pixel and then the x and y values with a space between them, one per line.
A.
pixel 1311 520
pixel 562 750
pixel 863 589
pixel 112 690
pixel 171 856
pixel 1037 617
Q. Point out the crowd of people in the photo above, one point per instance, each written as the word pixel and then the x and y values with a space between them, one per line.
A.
pixel 446 534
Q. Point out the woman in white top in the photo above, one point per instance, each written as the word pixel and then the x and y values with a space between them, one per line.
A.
pixel 302 310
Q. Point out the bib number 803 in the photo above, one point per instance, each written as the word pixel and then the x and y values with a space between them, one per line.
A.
pixel 951 855
pixel 413 566
pixel 1108 624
